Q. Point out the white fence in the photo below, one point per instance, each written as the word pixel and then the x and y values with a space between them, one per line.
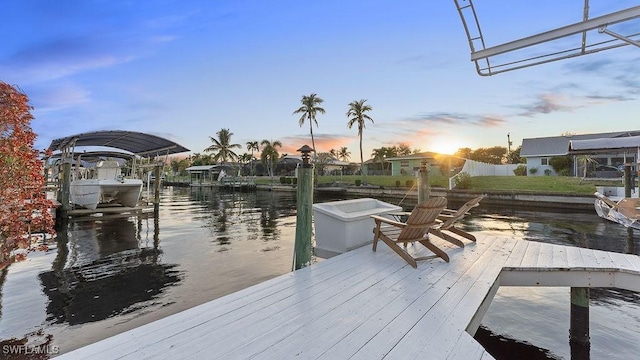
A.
pixel 477 168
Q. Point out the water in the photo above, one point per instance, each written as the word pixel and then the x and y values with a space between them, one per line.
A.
pixel 112 274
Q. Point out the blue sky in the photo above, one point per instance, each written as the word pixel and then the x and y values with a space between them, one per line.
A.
pixel 184 69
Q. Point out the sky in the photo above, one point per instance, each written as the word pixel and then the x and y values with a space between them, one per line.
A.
pixel 184 69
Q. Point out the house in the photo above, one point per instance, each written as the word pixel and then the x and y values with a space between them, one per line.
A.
pixel 410 164
pixel 538 152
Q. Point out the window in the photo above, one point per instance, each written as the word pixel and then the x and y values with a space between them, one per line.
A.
pixel 404 163
pixel 544 161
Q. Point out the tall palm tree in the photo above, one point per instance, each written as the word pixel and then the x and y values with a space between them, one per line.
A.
pixel 357 113
pixel 252 146
pixel 270 155
pixel 310 107
pixel 222 147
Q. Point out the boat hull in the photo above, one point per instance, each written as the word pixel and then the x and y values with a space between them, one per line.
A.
pixel 89 193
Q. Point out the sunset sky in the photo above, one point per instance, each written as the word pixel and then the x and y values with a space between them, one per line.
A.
pixel 184 69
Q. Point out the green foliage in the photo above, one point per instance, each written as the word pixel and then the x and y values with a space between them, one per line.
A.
pixel 294 180
pixel 533 171
pixel 547 172
pixel 521 170
pixel 397 183
pixel 492 155
pixel 564 172
pixel 560 163
pixel 283 180
pixel 409 183
pixel 463 180
pixel 358 182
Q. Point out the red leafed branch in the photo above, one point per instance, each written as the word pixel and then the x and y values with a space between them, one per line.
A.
pixel 23 204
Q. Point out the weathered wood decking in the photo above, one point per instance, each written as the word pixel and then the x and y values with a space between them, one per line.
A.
pixel 368 305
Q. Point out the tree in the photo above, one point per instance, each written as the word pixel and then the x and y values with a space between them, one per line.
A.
pixel 270 155
pixel 493 155
pixel 514 156
pixel 343 154
pixel 357 113
pixel 252 146
pixel 23 205
pixel 378 155
pixel 310 107
pixel 222 147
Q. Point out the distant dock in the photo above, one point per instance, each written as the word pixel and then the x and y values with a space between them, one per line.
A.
pixel 369 305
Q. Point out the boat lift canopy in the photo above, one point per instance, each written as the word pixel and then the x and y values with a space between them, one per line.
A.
pixel 140 144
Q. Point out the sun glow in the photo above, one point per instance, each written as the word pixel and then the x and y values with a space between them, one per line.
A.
pixel 444 146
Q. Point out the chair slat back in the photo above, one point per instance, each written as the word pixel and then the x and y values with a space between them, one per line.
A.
pixel 422 217
pixel 462 211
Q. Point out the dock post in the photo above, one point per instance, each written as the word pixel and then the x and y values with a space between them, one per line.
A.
pixel 627 180
pixel 156 188
pixel 302 246
pixel 579 327
pixel 423 182
pixel 65 189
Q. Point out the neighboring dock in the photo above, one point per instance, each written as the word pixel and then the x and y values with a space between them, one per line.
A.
pixel 369 305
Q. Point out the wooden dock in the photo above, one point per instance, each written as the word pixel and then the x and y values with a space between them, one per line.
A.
pixel 369 305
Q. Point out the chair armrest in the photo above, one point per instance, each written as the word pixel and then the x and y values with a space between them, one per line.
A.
pixel 379 219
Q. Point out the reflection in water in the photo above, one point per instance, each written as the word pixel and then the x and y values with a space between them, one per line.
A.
pixel 101 271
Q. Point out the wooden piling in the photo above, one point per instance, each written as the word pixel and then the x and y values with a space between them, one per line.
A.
pixel 423 182
pixel 65 189
pixel 302 246
pixel 579 328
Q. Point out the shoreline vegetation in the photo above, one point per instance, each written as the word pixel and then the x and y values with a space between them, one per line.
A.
pixel 560 185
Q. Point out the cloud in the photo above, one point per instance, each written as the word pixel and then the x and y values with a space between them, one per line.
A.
pixel 546 104
pixel 324 142
pixel 59 96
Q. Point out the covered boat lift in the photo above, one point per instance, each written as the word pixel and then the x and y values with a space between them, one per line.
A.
pixel 136 143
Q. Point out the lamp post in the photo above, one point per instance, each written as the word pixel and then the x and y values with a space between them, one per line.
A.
pixel 302 246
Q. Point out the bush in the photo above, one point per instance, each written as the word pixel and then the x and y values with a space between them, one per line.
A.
pixel 521 170
pixel 547 172
pixel 409 183
pixel 289 181
pixel 294 180
pixel 397 183
pixel 463 180
pixel 358 182
pixel 533 171
pixel 564 172
pixel 283 180
pixel 560 163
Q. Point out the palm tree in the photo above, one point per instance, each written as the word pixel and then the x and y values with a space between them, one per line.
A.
pixel 310 107
pixel 270 155
pixel 252 146
pixel 378 155
pixel 222 147
pixel 343 154
pixel 357 114
pixel 245 158
pixel 585 160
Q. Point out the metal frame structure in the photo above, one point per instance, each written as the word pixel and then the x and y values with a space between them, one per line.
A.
pixel 485 57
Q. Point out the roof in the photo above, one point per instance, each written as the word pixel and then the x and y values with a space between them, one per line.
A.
pixel 604 144
pixel 559 145
pixel 418 156
pixel 138 143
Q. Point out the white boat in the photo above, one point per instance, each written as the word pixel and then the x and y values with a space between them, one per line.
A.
pixel 104 185
pixel 624 211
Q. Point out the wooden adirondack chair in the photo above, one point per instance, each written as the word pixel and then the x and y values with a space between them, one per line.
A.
pixel 423 218
pixel 449 219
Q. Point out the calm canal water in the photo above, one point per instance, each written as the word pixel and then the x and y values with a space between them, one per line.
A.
pixel 108 275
